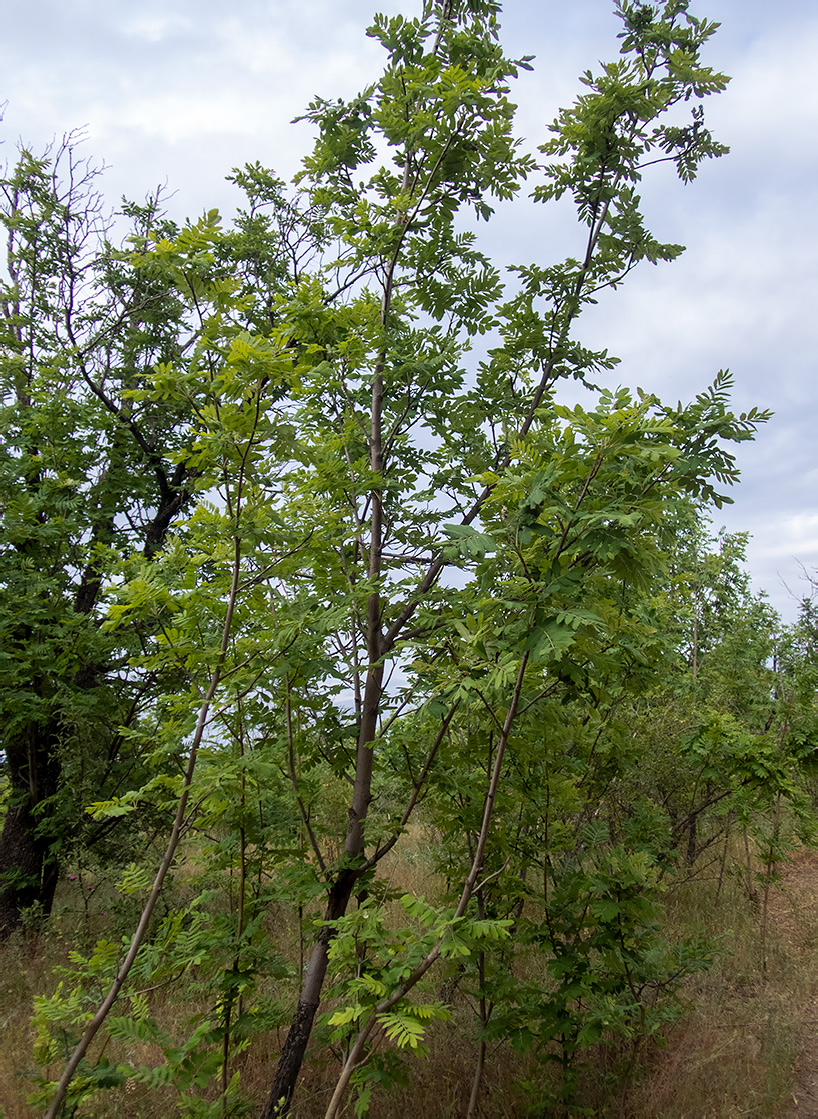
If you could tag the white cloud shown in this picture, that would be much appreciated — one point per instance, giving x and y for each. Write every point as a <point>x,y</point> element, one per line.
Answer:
<point>772,104</point>
<point>156,26</point>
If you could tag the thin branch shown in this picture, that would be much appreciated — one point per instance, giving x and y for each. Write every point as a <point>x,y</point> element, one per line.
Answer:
<point>413,799</point>
<point>357,1051</point>
<point>294,780</point>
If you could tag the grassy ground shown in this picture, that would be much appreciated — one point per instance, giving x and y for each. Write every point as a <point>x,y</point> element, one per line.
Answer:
<point>744,1047</point>
<point>747,1044</point>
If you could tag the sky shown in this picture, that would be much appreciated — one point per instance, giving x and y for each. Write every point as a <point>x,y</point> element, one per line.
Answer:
<point>178,92</point>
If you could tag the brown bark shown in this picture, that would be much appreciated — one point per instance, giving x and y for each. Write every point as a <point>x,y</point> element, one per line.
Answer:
<point>295,1047</point>
<point>470,887</point>
<point>29,861</point>
<point>292,1054</point>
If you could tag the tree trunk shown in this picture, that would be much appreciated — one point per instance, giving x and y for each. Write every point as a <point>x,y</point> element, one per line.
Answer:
<point>692,840</point>
<point>29,858</point>
<point>292,1055</point>
<point>29,863</point>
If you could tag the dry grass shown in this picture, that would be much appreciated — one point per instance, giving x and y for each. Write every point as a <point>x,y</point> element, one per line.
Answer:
<point>739,1048</point>
<point>26,969</point>
<point>746,1046</point>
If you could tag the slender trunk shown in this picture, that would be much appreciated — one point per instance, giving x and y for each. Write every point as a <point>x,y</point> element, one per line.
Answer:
<point>476,1081</point>
<point>723,857</point>
<point>292,1054</point>
<point>752,893</point>
<point>91,1030</point>
<point>768,877</point>
<point>228,1013</point>
<point>692,840</point>
<point>695,635</point>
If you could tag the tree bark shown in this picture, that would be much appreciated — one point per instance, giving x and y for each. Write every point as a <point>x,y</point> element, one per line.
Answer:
<point>295,1047</point>
<point>292,1055</point>
<point>29,860</point>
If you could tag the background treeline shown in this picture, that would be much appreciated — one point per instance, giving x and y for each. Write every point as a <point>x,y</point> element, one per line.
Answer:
<point>355,692</point>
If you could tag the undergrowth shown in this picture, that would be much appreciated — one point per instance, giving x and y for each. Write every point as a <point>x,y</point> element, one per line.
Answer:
<point>732,1052</point>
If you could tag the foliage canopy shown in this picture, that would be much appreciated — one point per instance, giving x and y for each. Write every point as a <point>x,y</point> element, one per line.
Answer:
<point>300,520</point>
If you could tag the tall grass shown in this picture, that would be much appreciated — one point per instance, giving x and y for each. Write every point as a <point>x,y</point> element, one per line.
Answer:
<point>737,1050</point>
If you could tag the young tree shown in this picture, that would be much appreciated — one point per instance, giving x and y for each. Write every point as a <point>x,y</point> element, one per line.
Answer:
<point>407,472</point>
<point>404,442</point>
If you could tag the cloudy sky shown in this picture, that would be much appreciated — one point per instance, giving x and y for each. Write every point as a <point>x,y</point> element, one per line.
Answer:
<point>178,92</point>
